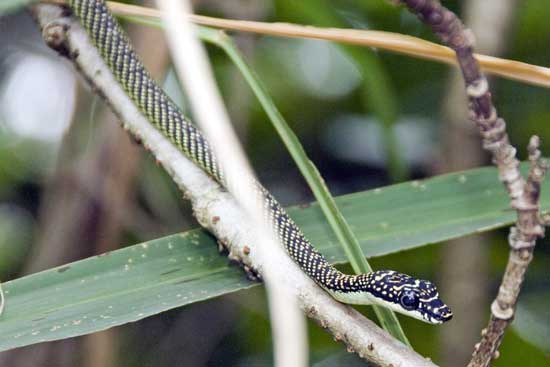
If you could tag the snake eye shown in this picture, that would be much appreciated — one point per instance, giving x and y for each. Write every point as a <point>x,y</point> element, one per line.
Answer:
<point>409,300</point>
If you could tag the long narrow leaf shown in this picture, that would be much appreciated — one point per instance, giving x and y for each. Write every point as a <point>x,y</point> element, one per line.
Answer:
<point>143,280</point>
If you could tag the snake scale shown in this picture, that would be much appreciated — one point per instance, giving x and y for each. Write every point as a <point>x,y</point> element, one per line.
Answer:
<point>399,292</point>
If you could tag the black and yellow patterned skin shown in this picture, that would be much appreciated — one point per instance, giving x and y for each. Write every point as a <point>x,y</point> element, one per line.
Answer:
<point>386,288</point>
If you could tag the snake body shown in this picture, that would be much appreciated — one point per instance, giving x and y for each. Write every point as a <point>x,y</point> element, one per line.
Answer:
<point>397,291</point>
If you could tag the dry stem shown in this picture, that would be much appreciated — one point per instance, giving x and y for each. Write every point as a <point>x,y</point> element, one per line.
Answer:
<point>516,70</point>
<point>524,194</point>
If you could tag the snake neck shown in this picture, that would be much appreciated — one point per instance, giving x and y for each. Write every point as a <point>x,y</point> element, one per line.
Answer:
<point>345,283</point>
<point>352,289</point>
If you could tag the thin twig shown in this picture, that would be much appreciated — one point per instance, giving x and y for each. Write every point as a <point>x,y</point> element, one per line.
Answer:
<point>511,69</point>
<point>492,21</point>
<point>524,193</point>
<point>216,209</point>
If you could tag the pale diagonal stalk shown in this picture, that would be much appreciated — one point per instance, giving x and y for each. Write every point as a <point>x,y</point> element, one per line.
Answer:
<point>338,223</point>
<point>288,327</point>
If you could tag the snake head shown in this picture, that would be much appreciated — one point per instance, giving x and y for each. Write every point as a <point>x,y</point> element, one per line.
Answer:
<point>407,295</point>
<point>400,292</point>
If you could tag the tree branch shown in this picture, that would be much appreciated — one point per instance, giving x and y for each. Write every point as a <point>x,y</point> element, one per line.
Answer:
<point>524,193</point>
<point>216,209</point>
<point>492,21</point>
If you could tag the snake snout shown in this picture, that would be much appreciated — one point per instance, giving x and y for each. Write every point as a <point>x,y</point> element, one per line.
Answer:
<point>442,314</point>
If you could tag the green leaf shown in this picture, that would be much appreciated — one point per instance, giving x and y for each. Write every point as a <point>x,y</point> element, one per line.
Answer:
<point>143,280</point>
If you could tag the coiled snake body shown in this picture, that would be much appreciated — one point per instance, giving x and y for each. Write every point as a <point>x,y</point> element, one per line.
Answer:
<point>400,292</point>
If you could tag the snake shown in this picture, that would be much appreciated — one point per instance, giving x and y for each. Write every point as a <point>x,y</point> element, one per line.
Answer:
<point>402,293</point>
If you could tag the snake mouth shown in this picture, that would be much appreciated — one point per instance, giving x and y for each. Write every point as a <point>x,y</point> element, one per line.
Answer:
<point>439,316</point>
<point>447,317</point>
